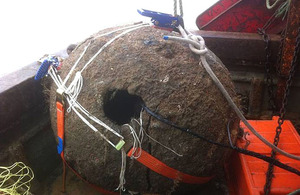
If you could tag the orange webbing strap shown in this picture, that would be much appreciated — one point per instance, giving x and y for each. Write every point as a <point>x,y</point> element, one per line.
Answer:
<point>60,122</point>
<point>159,167</point>
<point>60,113</point>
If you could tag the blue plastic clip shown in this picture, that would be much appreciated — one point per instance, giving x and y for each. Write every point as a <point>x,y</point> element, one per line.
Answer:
<point>162,20</point>
<point>43,70</point>
<point>60,145</point>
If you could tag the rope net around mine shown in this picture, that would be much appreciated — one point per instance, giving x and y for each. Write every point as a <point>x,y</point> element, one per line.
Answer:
<point>15,179</point>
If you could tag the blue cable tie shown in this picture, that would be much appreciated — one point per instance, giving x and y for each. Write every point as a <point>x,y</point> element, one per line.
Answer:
<point>60,145</point>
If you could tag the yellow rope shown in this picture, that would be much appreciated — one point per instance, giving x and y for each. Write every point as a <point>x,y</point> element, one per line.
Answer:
<point>15,179</point>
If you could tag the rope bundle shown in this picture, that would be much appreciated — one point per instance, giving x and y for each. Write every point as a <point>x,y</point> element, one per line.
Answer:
<point>72,91</point>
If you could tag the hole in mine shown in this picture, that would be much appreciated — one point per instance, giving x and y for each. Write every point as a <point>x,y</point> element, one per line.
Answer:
<point>120,106</point>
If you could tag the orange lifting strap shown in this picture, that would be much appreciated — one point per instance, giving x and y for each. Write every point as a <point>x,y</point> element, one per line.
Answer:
<point>146,159</point>
<point>60,113</point>
<point>159,167</point>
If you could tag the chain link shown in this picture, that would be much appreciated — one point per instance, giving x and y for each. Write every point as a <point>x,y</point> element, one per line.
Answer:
<point>280,51</point>
<point>283,112</point>
<point>269,78</point>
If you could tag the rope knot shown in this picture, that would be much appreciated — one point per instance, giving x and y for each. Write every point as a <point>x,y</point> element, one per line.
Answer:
<point>198,48</point>
<point>74,89</point>
<point>196,43</point>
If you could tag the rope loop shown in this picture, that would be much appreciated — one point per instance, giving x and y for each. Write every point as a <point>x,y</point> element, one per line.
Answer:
<point>197,46</point>
<point>269,6</point>
<point>200,49</point>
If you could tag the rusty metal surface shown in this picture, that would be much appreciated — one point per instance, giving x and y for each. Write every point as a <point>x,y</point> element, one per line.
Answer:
<point>293,23</point>
<point>240,51</point>
<point>243,54</point>
<point>256,97</point>
<point>239,16</point>
<point>215,11</point>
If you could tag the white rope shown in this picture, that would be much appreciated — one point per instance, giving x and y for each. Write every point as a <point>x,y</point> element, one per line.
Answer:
<point>175,8</point>
<point>109,42</point>
<point>96,120</point>
<point>283,9</point>
<point>142,132</point>
<point>75,104</point>
<point>181,8</point>
<point>91,126</point>
<point>200,45</point>
<point>136,149</point>
<point>140,123</point>
<point>269,6</point>
<point>136,146</point>
<point>137,143</point>
<point>138,139</point>
<point>72,92</point>
<point>76,63</point>
<point>166,147</point>
<point>53,74</point>
<point>122,172</point>
<point>120,29</point>
<point>76,85</point>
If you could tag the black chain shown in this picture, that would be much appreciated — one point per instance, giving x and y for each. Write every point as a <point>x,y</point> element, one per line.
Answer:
<point>279,56</point>
<point>231,146</point>
<point>269,78</point>
<point>282,112</point>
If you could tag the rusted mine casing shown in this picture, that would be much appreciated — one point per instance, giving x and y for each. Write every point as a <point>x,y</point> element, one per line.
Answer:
<point>167,77</point>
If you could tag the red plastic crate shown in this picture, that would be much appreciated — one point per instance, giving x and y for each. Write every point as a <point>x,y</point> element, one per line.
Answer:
<point>247,175</point>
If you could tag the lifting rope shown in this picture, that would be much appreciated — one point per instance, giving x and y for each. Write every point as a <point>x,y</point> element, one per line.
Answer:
<point>70,93</point>
<point>180,8</point>
<point>282,9</point>
<point>269,6</point>
<point>231,146</point>
<point>197,45</point>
